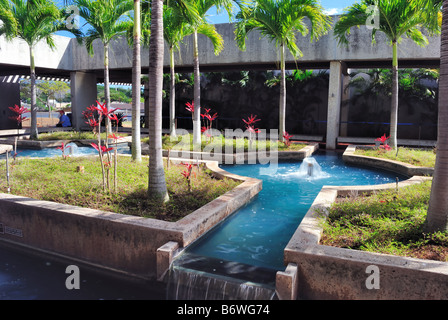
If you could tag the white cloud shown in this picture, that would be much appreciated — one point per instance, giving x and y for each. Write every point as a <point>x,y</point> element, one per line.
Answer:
<point>333,11</point>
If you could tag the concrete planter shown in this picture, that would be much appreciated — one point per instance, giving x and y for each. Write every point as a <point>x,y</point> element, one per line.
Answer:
<point>111,241</point>
<point>323,272</point>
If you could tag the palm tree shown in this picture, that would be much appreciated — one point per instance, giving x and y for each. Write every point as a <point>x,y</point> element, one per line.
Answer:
<point>156,185</point>
<point>280,21</point>
<point>107,21</point>
<point>31,21</point>
<point>136,148</point>
<point>397,19</point>
<point>437,216</point>
<point>201,26</point>
<point>174,30</point>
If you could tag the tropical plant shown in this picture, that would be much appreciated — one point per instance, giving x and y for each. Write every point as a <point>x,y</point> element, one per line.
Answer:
<point>31,21</point>
<point>107,21</point>
<point>279,21</point>
<point>200,25</point>
<point>136,148</point>
<point>396,19</point>
<point>18,118</point>
<point>174,30</point>
<point>157,189</point>
<point>437,216</point>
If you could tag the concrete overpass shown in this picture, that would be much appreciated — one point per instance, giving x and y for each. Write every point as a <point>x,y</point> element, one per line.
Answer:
<point>70,61</point>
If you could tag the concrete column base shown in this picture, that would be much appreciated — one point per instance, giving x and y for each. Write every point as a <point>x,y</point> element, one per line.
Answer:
<point>286,283</point>
<point>165,256</point>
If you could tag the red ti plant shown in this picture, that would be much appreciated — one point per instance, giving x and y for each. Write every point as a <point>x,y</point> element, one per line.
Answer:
<point>187,174</point>
<point>250,126</point>
<point>209,121</point>
<point>102,111</point>
<point>64,147</point>
<point>19,118</point>
<point>287,138</point>
<point>383,141</point>
<point>190,107</point>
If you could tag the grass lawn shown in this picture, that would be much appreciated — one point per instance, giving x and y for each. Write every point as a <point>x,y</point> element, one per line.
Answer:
<point>416,157</point>
<point>386,222</point>
<point>221,144</point>
<point>57,180</point>
<point>72,135</point>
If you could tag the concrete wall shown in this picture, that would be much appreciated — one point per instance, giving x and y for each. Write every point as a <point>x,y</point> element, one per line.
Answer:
<point>10,96</point>
<point>324,272</point>
<point>71,56</point>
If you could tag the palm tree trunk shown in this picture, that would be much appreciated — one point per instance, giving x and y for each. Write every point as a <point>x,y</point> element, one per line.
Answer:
<point>394,102</point>
<point>136,147</point>
<point>437,217</point>
<point>107,87</point>
<point>282,105</point>
<point>172,96</point>
<point>197,96</point>
<point>156,184</point>
<point>34,133</point>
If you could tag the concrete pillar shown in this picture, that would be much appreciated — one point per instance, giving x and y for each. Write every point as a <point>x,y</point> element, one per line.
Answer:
<point>286,283</point>
<point>10,96</point>
<point>334,103</point>
<point>345,106</point>
<point>84,94</point>
<point>165,255</point>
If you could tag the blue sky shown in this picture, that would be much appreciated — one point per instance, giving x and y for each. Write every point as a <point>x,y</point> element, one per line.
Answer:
<point>331,7</point>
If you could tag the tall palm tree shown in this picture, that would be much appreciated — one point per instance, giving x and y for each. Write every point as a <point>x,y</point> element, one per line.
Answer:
<point>174,30</point>
<point>280,21</point>
<point>136,148</point>
<point>437,216</point>
<point>397,19</point>
<point>31,21</point>
<point>107,20</point>
<point>201,26</point>
<point>156,185</point>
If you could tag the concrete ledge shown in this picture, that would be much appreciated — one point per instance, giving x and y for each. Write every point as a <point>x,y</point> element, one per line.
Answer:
<point>39,145</point>
<point>409,170</point>
<point>326,272</point>
<point>125,244</point>
<point>242,157</point>
<point>400,142</point>
<point>5,148</point>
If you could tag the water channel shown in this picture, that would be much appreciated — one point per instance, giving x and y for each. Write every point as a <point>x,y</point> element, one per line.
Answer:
<point>247,246</point>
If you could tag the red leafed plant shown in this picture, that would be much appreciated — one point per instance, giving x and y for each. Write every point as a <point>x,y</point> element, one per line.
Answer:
<point>187,174</point>
<point>190,106</point>
<point>103,150</point>
<point>250,126</point>
<point>19,118</point>
<point>208,118</point>
<point>383,145</point>
<point>287,138</point>
<point>63,148</point>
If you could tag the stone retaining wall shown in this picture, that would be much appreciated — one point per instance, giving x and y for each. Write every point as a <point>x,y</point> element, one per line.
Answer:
<point>324,272</point>
<point>126,244</point>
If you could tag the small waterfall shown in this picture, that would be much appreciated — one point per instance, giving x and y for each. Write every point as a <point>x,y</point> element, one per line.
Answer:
<point>200,278</point>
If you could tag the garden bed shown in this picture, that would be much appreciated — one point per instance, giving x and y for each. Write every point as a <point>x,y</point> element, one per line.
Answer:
<point>322,271</point>
<point>390,222</point>
<point>60,180</point>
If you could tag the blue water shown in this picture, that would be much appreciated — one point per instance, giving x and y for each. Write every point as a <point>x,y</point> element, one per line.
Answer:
<point>55,152</point>
<point>258,233</point>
